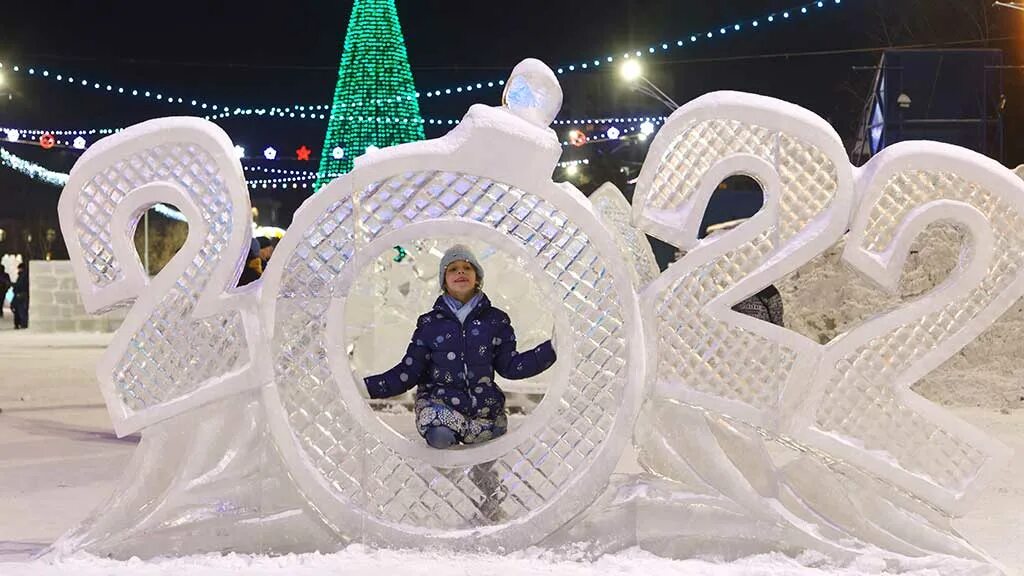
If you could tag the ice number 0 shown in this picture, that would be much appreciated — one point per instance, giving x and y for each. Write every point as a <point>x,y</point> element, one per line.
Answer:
<point>367,479</point>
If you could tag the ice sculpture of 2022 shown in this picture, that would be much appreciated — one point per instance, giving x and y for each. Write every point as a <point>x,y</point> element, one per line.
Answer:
<point>256,437</point>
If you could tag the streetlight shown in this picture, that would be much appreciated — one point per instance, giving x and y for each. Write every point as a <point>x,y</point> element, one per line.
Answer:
<point>633,73</point>
<point>4,90</point>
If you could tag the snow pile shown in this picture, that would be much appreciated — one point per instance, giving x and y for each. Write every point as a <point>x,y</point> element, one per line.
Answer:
<point>357,560</point>
<point>825,298</point>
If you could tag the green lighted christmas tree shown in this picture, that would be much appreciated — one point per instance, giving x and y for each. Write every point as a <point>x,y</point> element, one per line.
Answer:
<point>375,100</point>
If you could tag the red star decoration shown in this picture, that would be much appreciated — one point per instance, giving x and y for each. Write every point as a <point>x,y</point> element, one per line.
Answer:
<point>303,153</point>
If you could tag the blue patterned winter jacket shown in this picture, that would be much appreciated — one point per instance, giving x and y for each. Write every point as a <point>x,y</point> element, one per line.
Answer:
<point>454,363</point>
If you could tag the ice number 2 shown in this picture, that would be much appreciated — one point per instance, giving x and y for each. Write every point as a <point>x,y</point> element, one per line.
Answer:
<point>707,354</point>
<point>851,397</point>
<point>188,336</point>
<point>862,408</point>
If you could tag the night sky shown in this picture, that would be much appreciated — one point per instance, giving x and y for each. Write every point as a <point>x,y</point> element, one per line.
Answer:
<point>259,53</point>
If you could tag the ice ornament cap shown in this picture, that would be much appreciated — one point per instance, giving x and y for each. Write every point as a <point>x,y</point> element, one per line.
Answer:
<point>533,93</point>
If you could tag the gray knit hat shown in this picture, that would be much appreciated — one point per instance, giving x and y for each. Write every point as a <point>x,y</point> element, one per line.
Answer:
<point>454,254</point>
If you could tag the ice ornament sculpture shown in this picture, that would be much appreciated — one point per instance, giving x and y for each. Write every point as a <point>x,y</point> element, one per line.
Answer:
<point>255,436</point>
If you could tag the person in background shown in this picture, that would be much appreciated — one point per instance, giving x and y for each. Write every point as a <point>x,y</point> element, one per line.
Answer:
<point>253,269</point>
<point>5,285</point>
<point>19,305</point>
<point>266,249</point>
<point>766,305</point>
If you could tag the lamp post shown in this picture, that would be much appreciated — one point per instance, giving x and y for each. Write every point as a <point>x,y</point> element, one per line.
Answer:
<point>633,73</point>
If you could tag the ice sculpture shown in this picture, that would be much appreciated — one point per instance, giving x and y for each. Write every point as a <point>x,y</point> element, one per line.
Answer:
<point>752,437</point>
<point>357,470</point>
<point>188,339</point>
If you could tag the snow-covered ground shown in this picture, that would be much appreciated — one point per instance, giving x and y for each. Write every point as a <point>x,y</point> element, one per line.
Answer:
<point>59,459</point>
<point>357,560</point>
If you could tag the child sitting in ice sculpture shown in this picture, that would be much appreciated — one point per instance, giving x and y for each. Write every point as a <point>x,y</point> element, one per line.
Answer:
<point>454,352</point>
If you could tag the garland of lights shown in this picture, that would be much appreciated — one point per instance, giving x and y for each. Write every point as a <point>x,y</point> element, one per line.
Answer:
<point>15,134</point>
<point>266,170</point>
<point>47,176</point>
<point>574,137</point>
<point>31,169</point>
<point>752,23</point>
<point>298,110</point>
<point>298,179</point>
<point>159,96</point>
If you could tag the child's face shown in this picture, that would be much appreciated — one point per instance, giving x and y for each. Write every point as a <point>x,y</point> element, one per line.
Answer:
<point>460,279</point>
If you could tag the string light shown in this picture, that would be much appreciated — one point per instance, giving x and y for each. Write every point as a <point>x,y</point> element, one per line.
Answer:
<point>370,120</point>
<point>291,113</point>
<point>284,180</point>
<point>590,64</point>
<point>294,110</point>
<point>84,132</point>
<point>568,163</point>
<point>622,132</point>
<point>409,94</point>
<point>15,135</point>
<point>31,169</point>
<point>42,174</point>
<point>37,172</point>
<point>610,120</point>
<point>266,170</point>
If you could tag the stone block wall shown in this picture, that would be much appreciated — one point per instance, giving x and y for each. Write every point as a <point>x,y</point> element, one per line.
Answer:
<point>55,304</point>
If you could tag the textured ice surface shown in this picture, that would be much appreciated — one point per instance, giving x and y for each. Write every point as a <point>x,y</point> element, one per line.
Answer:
<point>755,438</point>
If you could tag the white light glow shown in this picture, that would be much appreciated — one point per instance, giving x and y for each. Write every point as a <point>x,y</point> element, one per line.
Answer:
<point>631,70</point>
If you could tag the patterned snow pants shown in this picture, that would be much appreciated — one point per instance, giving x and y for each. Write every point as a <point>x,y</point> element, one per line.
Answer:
<point>430,414</point>
<point>485,477</point>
